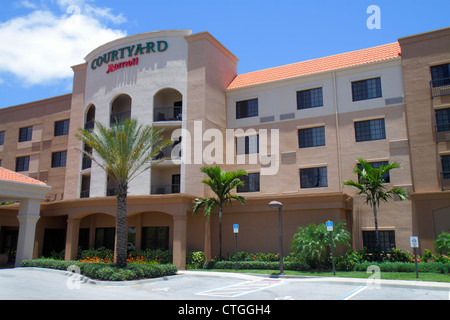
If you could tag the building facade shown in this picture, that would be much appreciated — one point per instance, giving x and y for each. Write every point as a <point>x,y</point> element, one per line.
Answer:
<point>297,130</point>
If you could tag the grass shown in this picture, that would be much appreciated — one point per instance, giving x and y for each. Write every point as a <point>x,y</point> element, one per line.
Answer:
<point>423,276</point>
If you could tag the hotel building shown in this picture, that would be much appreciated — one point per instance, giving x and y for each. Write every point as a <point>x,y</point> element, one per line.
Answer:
<point>297,129</point>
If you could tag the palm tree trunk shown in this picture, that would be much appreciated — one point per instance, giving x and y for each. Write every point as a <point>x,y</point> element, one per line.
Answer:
<point>377,238</point>
<point>220,233</point>
<point>121,230</point>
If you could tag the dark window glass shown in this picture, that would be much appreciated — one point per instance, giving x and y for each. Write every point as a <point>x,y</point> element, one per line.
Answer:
<point>440,75</point>
<point>155,238</point>
<point>309,98</point>
<point>311,137</point>
<point>313,177</point>
<point>251,183</point>
<point>247,144</point>
<point>59,159</point>
<point>2,138</point>
<point>387,240</point>
<point>247,108</point>
<point>370,130</point>
<point>25,134</point>
<point>61,128</point>
<point>443,120</point>
<point>445,160</point>
<point>22,164</point>
<point>104,238</point>
<point>366,89</point>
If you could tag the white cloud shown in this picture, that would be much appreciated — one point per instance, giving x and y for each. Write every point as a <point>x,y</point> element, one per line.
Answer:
<point>41,47</point>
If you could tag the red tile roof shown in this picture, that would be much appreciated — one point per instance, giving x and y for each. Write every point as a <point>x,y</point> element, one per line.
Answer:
<point>9,175</point>
<point>335,62</point>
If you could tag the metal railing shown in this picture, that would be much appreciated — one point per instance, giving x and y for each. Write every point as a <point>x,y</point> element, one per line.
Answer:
<point>442,132</point>
<point>165,188</point>
<point>89,125</point>
<point>445,180</point>
<point>116,117</point>
<point>440,87</point>
<point>167,152</point>
<point>86,163</point>
<point>167,114</point>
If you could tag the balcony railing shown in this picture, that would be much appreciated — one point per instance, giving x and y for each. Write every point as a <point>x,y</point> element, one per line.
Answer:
<point>161,114</point>
<point>442,132</point>
<point>118,116</point>
<point>169,152</point>
<point>165,188</point>
<point>84,194</point>
<point>440,87</point>
<point>86,162</point>
<point>445,180</point>
<point>89,125</point>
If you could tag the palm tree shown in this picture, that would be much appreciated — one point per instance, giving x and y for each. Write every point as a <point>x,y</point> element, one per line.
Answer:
<point>312,243</point>
<point>221,183</point>
<point>372,185</point>
<point>124,151</point>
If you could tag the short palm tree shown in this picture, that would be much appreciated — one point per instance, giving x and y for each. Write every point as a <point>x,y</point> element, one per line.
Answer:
<point>124,151</point>
<point>312,243</point>
<point>221,183</point>
<point>372,186</point>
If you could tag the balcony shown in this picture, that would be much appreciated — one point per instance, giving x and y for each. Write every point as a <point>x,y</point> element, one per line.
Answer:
<point>164,114</point>
<point>445,180</point>
<point>84,194</point>
<point>165,188</point>
<point>116,117</point>
<point>440,87</point>
<point>86,163</point>
<point>169,153</point>
<point>442,132</point>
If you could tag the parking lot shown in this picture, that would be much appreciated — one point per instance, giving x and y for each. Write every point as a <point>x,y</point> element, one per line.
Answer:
<point>44,284</point>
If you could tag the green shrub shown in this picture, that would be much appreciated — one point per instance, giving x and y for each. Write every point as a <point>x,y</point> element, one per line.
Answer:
<point>257,265</point>
<point>195,259</point>
<point>105,271</point>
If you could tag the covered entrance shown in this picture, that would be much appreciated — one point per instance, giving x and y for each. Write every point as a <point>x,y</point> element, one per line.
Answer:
<point>17,231</point>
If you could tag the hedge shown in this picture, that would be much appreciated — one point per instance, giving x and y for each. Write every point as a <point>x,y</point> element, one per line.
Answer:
<point>252,265</point>
<point>109,272</point>
<point>436,267</point>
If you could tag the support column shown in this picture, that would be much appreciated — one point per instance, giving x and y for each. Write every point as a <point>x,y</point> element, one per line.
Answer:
<point>73,232</point>
<point>179,242</point>
<point>29,213</point>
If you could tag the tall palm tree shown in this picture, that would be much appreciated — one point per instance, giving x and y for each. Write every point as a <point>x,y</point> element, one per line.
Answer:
<point>124,150</point>
<point>221,183</point>
<point>372,185</point>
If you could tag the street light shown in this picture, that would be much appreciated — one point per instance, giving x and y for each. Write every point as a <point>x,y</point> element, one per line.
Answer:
<point>279,205</point>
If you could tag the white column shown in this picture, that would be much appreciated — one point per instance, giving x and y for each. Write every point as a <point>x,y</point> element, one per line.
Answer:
<point>29,211</point>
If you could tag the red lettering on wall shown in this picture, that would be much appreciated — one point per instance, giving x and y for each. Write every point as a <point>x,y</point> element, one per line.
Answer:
<point>116,66</point>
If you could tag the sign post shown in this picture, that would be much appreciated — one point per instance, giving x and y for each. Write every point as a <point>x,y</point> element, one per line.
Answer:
<point>330,230</point>
<point>414,240</point>
<point>236,231</point>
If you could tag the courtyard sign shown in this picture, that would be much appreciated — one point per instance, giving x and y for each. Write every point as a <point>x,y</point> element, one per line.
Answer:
<point>127,52</point>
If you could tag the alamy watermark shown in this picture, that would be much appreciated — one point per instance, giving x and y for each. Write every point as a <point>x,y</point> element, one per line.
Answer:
<point>374,20</point>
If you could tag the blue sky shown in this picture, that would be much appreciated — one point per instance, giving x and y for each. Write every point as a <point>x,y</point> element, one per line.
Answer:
<point>41,39</point>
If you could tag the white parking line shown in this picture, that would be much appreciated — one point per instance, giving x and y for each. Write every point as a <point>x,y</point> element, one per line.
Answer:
<point>241,289</point>
<point>353,293</point>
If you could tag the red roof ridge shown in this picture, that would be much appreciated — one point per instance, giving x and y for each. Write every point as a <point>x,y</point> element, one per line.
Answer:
<point>317,65</point>
<point>9,175</point>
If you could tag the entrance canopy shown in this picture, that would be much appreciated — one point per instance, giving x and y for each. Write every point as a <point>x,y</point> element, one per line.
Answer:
<point>29,192</point>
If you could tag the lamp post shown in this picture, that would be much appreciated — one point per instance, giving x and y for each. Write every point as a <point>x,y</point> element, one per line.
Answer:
<point>279,205</point>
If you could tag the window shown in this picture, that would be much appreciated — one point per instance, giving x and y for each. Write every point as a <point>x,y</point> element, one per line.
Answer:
<point>251,183</point>
<point>104,238</point>
<point>440,75</point>
<point>370,130</point>
<point>443,120</point>
<point>366,89</point>
<point>311,137</point>
<point>61,128</point>
<point>445,160</point>
<point>313,178</point>
<point>22,164</point>
<point>247,108</point>
<point>2,138</point>
<point>59,159</point>
<point>25,134</point>
<point>155,238</point>
<point>387,240</point>
<point>377,165</point>
<point>247,145</point>
<point>309,98</point>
